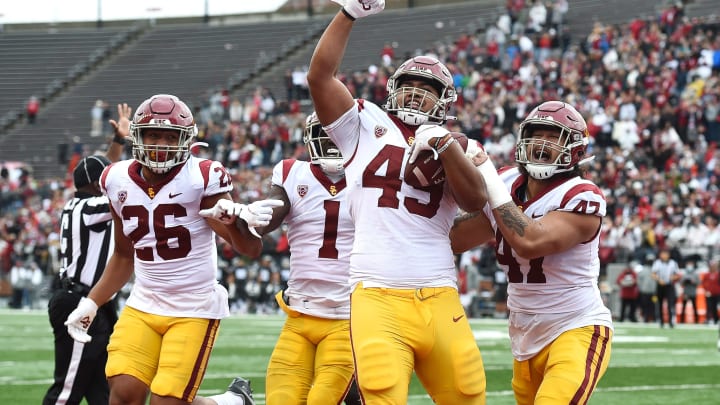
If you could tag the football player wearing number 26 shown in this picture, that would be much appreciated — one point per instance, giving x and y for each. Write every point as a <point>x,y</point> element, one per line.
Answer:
<point>405,311</point>
<point>167,207</point>
<point>545,220</point>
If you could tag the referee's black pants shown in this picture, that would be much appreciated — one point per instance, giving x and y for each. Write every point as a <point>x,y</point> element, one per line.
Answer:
<point>666,293</point>
<point>79,367</point>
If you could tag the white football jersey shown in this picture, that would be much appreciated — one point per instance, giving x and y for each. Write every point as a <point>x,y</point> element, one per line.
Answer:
<point>320,234</point>
<point>401,233</point>
<point>175,251</point>
<point>551,294</point>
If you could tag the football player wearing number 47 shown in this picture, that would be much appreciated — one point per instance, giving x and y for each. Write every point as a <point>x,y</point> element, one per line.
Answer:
<point>167,207</point>
<point>545,220</point>
<point>405,312</point>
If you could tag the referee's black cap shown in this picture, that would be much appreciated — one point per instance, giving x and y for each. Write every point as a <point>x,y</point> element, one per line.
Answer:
<point>89,170</point>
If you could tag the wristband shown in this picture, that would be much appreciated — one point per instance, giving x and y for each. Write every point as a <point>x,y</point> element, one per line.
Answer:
<point>347,14</point>
<point>119,139</point>
<point>497,192</point>
<point>446,145</point>
<point>441,140</point>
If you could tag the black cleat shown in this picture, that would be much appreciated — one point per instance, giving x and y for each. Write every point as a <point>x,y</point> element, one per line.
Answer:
<point>241,387</point>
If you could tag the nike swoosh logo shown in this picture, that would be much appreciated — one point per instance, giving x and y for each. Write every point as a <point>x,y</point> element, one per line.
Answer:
<point>536,216</point>
<point>171,195</point>
<point>457,318</point>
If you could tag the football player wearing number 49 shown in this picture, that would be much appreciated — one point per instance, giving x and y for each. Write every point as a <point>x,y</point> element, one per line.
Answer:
<point>406,314</point>
<point>545,220</point>
<point>312,362</point>
<point>167,207</point>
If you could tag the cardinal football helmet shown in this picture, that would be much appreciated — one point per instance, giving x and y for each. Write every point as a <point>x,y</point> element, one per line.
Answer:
<point>321,148</point>
<point>162,111</point>
<point>570,148</point>
<point>406,102</point>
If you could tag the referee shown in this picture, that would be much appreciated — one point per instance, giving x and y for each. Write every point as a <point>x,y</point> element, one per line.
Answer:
<point>86,245</point>
<point>665,271</point>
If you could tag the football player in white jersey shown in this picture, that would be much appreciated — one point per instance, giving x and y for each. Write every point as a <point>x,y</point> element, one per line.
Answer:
<point>405,313</point>
<point>160,201</point>
<point>312,361</point>
<point>545,220</point>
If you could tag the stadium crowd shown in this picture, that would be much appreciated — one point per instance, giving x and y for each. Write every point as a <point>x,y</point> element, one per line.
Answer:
<point>649,90</point>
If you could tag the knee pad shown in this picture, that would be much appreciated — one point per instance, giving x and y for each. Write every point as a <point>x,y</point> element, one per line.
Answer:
<point>468,367</point>
<point>376,365</point>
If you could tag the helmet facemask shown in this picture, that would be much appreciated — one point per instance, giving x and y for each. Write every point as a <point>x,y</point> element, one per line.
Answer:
<point>322,149</point>
<point>161,158</point>
<point>162,112</point>
<point>536,154</point>
<point>543,157</point>
<point>407,102</point>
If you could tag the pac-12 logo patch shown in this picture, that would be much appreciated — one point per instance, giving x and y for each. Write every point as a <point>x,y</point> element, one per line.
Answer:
<point>122,196</point>
<point>302,190</point>
<point>380,131</point>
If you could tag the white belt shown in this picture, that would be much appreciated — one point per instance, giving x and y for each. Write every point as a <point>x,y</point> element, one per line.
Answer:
<point>298,303</point>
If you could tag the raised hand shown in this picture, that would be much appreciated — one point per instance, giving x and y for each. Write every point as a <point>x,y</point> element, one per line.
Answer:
<point>361,8</point>
<point>122,125</point>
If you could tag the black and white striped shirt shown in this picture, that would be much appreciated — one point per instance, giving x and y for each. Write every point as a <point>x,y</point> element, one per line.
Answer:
<point>86,237</point>
<point>665,270</point>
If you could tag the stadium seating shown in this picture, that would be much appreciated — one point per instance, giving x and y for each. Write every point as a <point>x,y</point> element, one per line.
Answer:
<point>40,63</point>
<point>411,29</point>
<point>70,68</point>
<point>187,60</point>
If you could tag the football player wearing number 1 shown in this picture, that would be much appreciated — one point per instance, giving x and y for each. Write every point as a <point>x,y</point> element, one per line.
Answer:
<point>405,313</point>
<point>167,207</point>
<point>312,361</point>
<point>545,220</point>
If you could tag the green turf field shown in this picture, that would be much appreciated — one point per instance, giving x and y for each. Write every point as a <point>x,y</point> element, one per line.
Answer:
<point>649,365</point>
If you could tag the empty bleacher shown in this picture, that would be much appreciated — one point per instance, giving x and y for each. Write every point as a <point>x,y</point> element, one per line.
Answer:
<point>410,29</point>
<point>41,62</point>
<point>187,60</point>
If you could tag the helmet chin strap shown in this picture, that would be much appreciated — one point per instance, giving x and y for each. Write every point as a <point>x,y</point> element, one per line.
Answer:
<point>412,118</point>
<point>540,172</point>
<point>332,167</point>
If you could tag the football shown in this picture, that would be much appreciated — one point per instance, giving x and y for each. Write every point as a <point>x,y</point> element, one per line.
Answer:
<point>426,171</point>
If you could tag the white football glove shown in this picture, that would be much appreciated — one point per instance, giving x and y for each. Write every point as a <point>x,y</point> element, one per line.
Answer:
<point>474,147</point>
<point>259,213</point>
<point>361,8</point>
<point>423,136</point>
<point>224,211</point>
<point>80,320</point>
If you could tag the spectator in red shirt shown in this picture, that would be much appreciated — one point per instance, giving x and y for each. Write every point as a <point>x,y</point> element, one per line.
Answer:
<point>629,293</point>
<point>711,285</point>
<point>32,108</point>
